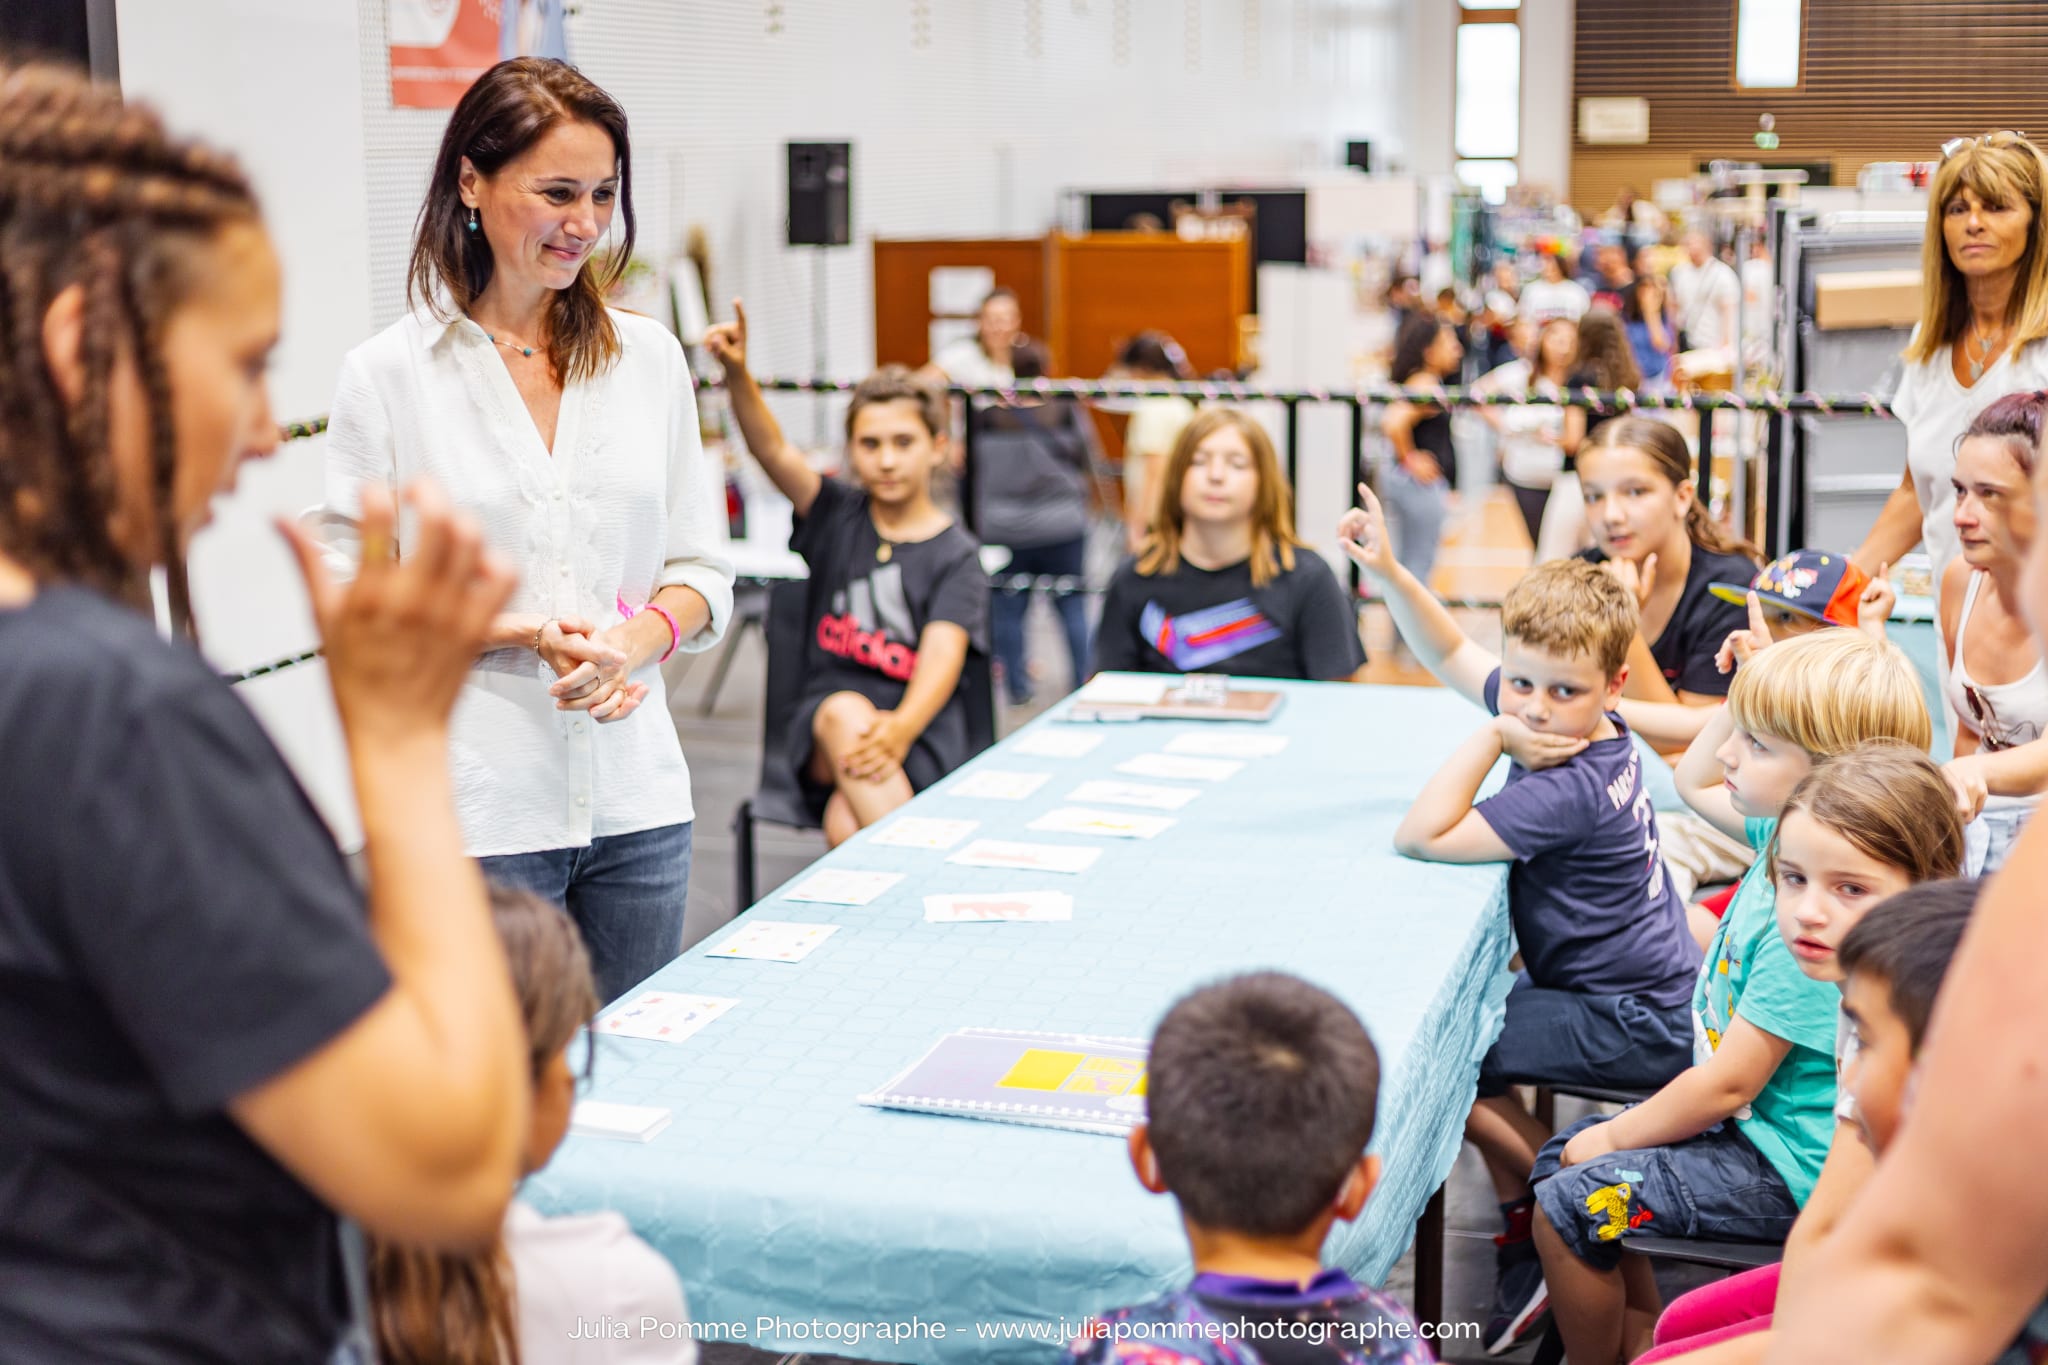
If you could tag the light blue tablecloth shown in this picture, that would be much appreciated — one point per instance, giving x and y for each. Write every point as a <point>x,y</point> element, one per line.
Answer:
<point>776,1194</point>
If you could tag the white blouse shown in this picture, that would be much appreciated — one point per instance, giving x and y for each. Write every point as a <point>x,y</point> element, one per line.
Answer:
<point>625,505</point>
<point>592,1293</point>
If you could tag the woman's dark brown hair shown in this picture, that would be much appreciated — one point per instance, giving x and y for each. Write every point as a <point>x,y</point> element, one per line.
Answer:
<point>511,107</point>
<point>94,193</point>
<point>1666,451</point>
<point>1604,352</point>
<point>444,1308</point>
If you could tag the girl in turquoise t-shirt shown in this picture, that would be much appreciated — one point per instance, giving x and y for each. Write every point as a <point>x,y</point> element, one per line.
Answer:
<point>1730,1149</point>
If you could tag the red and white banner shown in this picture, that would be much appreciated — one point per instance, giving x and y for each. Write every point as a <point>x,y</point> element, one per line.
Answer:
<point>439,48</point>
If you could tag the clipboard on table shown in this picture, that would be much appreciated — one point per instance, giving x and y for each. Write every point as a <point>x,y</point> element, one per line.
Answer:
<point>1152,696</point>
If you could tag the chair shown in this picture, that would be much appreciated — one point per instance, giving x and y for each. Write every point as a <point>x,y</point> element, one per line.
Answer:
<point>779,798</point>
<point>1545,1106</point>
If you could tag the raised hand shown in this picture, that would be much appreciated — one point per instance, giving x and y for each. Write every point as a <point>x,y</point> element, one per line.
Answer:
<point>727,341</point>
<point>1743,645</point>
<point>1362,532</point>
<point>1874,606</point>
<point>402,635</point>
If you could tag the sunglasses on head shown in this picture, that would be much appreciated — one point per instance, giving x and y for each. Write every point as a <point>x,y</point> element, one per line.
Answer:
<point>1981,712</point>
<point>1957,144</point>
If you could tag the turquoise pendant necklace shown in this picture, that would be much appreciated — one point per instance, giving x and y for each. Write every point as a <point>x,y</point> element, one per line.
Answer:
<point>510,346</point>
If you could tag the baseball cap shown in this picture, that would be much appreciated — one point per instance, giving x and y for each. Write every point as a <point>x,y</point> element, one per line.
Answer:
<point>1817,584</point>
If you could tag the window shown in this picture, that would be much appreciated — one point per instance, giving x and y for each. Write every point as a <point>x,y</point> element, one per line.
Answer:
<point>1767,44</point>
<point>1487,120</point>
<point>1490,178</point>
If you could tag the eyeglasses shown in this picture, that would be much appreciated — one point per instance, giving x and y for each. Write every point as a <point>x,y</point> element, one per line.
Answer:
<point>1957,144</point>
<point>1981,712</point>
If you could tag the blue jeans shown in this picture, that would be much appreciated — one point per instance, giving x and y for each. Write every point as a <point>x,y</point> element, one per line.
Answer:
<point>1418,512</point>
<point>626,893</point>
<point>1007,609</point>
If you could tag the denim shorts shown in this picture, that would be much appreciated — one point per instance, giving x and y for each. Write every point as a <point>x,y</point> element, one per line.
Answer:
<point>1615,1042</point>
<point>1713,1187</point>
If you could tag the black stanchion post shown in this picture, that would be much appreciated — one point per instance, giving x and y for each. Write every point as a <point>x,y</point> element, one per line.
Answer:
<point>1355,420</point>
<point>968,515</point>
<point>1704,480</point>
<point>1293,405</point>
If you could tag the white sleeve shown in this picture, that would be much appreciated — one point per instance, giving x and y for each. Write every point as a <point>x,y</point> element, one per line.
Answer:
<point>359,450</point>
<point>696,554</point>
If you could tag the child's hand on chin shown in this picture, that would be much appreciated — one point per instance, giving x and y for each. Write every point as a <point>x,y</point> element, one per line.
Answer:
<point>1533,749</point>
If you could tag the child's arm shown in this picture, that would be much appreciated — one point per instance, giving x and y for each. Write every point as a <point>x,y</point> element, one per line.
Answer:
<point>1442,826</point>
<point>784,464</point>
<point>941,654</point>
<point>1422,620</point>
<point>1848,1166</point>
<point>1667,726</point>
<point>1697,1099</point>
<point>1702,782</point>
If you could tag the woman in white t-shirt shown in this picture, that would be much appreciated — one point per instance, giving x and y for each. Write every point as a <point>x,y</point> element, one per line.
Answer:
<point>983,359</point>
<point>1553,294</point>
<point>569,430</point>
<point>1983,317</point>
<point>1532,438</point>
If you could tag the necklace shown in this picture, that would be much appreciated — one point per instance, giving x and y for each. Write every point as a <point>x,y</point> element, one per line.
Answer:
<point>885,551</point>
<point>510,345</point>
<point>1979,359</point>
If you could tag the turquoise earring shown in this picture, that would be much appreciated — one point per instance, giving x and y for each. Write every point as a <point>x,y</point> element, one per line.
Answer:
<point>472,220</point>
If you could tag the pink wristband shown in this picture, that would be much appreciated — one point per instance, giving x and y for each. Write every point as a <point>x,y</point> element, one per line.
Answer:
<point>675,633</point>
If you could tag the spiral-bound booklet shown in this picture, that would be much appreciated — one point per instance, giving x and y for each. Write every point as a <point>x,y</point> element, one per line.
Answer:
<point>1078,1081</point>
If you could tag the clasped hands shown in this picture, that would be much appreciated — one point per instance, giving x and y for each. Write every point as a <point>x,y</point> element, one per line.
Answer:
<point>593,668</point>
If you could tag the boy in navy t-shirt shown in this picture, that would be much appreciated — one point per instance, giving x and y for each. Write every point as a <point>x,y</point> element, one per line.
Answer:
<point>1261,1093</point>
<point>1608,965</point>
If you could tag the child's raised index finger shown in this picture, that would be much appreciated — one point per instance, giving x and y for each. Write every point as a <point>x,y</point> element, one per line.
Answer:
<point>1757,622</point>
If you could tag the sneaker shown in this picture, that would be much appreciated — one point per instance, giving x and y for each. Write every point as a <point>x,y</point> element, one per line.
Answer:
<point>1520,1300</point>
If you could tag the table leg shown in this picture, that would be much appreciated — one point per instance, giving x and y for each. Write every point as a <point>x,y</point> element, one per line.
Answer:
<point>1429,1260</point>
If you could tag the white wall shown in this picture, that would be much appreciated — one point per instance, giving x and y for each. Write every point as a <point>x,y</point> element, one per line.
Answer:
<point>1429,78</point>
<point>280,86</point>
<point>973,133</point>
<point>1547,105</point>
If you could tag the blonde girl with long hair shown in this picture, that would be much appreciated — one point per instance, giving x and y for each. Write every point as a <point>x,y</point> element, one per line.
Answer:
<point>1221,583</point>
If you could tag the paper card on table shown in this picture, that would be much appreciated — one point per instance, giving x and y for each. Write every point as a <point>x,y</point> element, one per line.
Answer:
<point>1026,857</point>
<point>1134,794</point>
<point>978,907</point>
<point>1144,689</point>
<point>1057,744</point>
<point>842,886</point>
<point>775,940</point>
<point>1111,823</point>
<point>623,1122</point>
<point>665,1016</point>
<point>1180,766</point>
<point>991,784</point>
<point>1227,744</point>
<point>915,831</point>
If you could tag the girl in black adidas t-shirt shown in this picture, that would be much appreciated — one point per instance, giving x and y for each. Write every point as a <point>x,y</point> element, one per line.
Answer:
<point>1222,584</point>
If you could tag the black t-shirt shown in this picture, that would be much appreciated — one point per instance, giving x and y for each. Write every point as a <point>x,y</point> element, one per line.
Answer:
<point>1214,621</point>
<point>865,615</point>
<point>1699,623</point>
<point>176,928</point>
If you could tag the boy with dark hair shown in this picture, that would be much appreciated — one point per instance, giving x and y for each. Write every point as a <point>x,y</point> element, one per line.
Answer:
<point>897,594</point>
<point>1261,1092</point>
<point>1608,961</point>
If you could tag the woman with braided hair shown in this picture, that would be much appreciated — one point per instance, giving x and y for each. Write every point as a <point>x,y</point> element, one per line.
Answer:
<point>208,1048</point>
<point>569,429</point>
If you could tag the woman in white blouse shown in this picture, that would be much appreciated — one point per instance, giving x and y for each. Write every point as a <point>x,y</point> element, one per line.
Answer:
<point>570,430</point>
<point>1983,320</point>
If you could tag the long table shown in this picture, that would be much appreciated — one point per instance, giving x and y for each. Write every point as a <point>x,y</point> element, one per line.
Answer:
<point>777,1196</point>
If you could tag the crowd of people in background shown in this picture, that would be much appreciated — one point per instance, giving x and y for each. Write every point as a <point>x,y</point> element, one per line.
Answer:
<point>229,1064</point>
